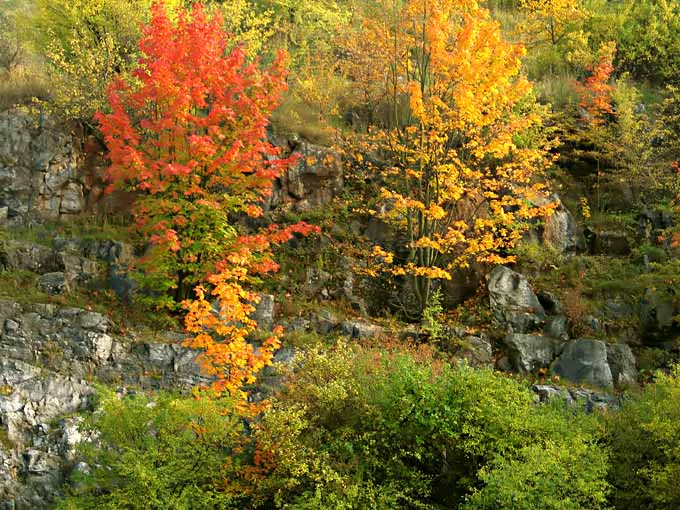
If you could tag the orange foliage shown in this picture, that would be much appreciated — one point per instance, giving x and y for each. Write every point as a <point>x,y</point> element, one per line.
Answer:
<point>221,330</point>
<point>447,137</point>
<point>596,91</point>
<point>189,135</point>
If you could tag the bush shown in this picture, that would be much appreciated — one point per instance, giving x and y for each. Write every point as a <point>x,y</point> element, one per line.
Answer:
<point>86,43</point>
<point>645,32</point>
<point>395,428</point>
<point>645,444</point>
<point>165,453</point>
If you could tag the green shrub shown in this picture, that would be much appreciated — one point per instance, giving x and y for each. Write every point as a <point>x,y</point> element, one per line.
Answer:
<point>165,453</point>
<point>645,32</point>
<point>645,445</point>
<point>398,429</point>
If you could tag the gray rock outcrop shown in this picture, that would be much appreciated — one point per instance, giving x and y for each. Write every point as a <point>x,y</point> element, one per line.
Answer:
<point>529,353</point>
<point>512,300</point>
<point>41,174</point>
<point>312,181</point>
<point>559,230</point>
<point>585,361</point>
<point>622,364</point>
<point>49,357</point>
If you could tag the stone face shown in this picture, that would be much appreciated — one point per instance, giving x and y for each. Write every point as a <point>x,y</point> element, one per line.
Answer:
<point>585,361</point>
<point>21,255</point>
<point>622,364</point>
<point>41,169</point>
<point>72,198</point>
<point>528,353</point>
<point>54,284</point>
<point>264,313</point>
<point>560,230</point>
<point>46,354</point>
<point>512,300</point>
<point>313,181</point>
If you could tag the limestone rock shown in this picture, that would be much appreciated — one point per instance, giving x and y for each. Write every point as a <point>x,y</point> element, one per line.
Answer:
<point>657,313</point>
<point>592,400</point>
<point>264,313</point>
<point>46,354</point>
<point>313,181</point>
<point>557,326</point>
<point>528,353</point>
<point>360,329</point>
<point>512,300</point>
<point>26,256</point>
<point>476,350</point>
<point>585,361</point>
<point>560,230</point>
<point>54,284</point>
<point>622,364</point>
<point>41,169</point>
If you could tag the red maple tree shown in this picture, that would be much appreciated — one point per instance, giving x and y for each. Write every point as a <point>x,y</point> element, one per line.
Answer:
<point>187,132</point>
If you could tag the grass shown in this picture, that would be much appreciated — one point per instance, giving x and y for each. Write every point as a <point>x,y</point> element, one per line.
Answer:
<point>556,89</point>
<point>607,221</point>
<point>84,227</point>
<point>295,118</point>
<point>21,287</point>
<point>21,86</point>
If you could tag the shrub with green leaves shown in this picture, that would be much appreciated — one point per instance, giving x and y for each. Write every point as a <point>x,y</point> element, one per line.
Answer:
<point>165,453</point>
<point>645,447</point>
<point>397,429</point>
<point>646,35</point>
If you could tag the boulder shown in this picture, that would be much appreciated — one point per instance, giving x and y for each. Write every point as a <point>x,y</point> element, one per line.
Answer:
<point>657,313</point>
<point>622,364</point>
<point>54,284</point>
<point>557,326</point>
<point>560,230</point>
<point>476,350</point>
<point>264,313</point>
<point>528,353</point>
<point>512,300</point>
<point>550,302</point>
<point>585,361</point>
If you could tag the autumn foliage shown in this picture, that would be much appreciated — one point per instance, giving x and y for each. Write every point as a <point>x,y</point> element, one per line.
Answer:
<point>221,330</point>
<point>596,92</point>
<point>188,135</point>
<point>452,145</point>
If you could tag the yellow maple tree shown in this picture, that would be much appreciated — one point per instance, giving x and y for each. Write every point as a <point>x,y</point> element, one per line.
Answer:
<point>550,21</point>
<point>453,136</point>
